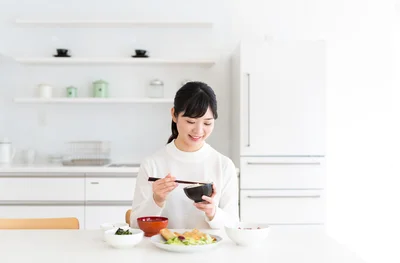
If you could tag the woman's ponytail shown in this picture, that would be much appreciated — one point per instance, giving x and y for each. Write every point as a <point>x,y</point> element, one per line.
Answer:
<point>174,131</point>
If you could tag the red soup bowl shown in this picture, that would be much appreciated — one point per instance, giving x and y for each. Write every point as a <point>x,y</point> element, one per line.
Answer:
<point>151,225</point>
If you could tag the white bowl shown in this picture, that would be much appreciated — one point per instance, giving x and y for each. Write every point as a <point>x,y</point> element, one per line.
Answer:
<point>248,234</point>
<point>123,241</point>
<point>107,226</point>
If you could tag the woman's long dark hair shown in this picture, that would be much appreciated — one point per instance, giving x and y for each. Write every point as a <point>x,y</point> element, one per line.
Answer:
<point>193,99</point>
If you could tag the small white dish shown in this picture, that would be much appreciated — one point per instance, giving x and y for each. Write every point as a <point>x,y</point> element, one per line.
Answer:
<point>248,234</point>
<point>107,226</point>
<point>123,241</point>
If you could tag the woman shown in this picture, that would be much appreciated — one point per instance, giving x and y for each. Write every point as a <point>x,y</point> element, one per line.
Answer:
<point>188,157</point>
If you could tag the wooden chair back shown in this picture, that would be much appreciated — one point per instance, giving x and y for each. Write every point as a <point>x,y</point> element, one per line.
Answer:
<point>39,223</point>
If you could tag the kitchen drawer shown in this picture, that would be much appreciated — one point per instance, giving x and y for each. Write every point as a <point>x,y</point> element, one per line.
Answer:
<point>282,206</point>
<point>112,189</point>
<point>282,172</point>
<point>52,189</point>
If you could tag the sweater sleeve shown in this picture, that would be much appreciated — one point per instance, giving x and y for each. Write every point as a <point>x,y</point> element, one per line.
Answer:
<point>227,212</point>
<point>143,203</point>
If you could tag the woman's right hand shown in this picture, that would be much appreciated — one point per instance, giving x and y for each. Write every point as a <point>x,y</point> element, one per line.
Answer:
<point>162,187</point>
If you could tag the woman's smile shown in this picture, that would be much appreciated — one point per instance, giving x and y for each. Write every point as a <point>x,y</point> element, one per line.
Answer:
<point>195,138</point>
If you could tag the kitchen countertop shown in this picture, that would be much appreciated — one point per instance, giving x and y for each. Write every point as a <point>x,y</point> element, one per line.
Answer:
<point>283,245</point>
<point>57,169</point>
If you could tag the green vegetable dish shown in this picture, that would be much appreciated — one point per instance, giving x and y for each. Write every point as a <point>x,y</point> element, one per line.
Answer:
<point>121,232</point>
<point>182,241</point>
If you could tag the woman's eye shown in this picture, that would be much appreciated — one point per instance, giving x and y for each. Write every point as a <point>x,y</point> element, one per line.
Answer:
<point>208,124</point>
<point>191,122</point>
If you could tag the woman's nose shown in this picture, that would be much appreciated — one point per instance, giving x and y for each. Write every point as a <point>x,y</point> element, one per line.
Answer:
<point>197,128</point>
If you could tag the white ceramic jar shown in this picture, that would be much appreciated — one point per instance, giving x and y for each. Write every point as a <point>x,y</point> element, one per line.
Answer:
<point>45,91</point>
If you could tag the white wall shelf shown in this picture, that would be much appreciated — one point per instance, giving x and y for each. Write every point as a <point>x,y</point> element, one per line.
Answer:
<point>111,23</point>
<point>129,61</point>
<point>92,100</point>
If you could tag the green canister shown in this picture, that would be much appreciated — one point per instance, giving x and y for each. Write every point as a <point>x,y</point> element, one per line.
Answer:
<point>100,89</point>
<point>72,92</point>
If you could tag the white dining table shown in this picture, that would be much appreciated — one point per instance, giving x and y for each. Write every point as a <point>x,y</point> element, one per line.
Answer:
<point>283,245</point>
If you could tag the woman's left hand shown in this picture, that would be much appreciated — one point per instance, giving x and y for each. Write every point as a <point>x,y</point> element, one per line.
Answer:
<point>208,206</point>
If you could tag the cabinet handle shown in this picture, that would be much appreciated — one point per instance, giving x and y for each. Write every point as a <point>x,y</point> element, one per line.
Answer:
<point>282,196</point>
<point>94,182</point>
<point>248,110</point>
<point>283,163</point>
<point>108,203</point>
<point>296,224</point>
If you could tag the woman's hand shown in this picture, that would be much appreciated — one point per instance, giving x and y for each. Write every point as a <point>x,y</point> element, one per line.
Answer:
<point>162,187</point>
<point>208,206</point>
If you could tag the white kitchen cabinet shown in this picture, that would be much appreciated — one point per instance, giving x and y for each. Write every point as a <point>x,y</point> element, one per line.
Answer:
<point>109,189</point>
<point>283,207</point>
<point>93,200</point>
<point>41,197</point>
<point>42,189</point>
<point>279,97</point>
<point>282,172</point>
<point>44,210</point>
<point>107,200</point>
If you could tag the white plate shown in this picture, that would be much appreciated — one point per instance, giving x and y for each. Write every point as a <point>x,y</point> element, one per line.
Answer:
<point>158,241</point>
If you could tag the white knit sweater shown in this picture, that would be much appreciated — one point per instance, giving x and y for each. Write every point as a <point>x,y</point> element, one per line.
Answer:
<point>203,165</point>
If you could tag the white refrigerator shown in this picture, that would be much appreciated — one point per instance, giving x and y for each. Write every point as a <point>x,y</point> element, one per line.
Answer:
<point>278,131</point>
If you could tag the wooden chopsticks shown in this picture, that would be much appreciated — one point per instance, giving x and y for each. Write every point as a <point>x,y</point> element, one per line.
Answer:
<point>153,179</point>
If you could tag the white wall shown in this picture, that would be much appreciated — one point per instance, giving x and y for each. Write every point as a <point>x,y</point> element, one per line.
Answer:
<point>362,138</point>
<point>134,130</point>
<point>363,78</point>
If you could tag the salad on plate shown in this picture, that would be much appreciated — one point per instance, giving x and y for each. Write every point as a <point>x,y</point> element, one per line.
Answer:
<point>188,238</point>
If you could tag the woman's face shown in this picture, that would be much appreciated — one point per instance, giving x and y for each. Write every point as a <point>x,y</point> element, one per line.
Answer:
<point>193,131</point>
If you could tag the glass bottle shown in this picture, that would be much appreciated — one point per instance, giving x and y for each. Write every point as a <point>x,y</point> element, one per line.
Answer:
<point>155,89</point>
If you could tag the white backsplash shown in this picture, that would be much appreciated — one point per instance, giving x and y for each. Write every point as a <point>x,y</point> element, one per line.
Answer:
<point>135,130</point>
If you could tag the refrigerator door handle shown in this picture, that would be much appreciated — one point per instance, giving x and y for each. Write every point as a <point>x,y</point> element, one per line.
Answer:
<point>283,163</point>
<point>283,196</point>
<point>248,109</point>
